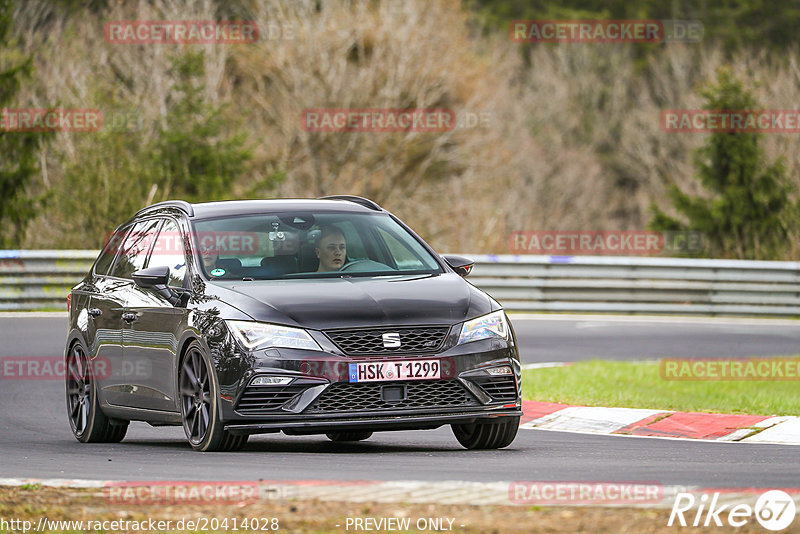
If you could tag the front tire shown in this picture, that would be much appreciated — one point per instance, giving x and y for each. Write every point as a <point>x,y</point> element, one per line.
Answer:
<point>352,435</point>
<point>487,435</point>
<point>86,419</point>
<point>199,397</point>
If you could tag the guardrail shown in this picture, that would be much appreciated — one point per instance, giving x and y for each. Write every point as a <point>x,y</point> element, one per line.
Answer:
<point>40,280</point>
<point>640,285</point>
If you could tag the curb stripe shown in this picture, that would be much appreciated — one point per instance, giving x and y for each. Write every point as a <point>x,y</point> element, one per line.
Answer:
<point>638,422</point>
<point>592,419</point>
<point>632,429</point>
<point>698,425</point>
<point>535,410</point>
<point>784,430</point>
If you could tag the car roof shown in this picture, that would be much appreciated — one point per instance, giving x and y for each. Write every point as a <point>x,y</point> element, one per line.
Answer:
<point>206,210</point>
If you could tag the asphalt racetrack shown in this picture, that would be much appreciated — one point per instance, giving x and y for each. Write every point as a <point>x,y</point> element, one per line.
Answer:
<point>35,440</point>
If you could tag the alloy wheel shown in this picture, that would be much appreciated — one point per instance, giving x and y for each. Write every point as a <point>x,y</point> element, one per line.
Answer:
<point>79,389</point>
<point>195,390</point>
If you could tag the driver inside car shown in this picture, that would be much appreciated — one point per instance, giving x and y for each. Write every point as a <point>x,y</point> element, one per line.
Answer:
<point>210,256</point>
<point>331,249</point>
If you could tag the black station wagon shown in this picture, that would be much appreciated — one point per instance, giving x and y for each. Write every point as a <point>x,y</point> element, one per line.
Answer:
<point>306,316</point>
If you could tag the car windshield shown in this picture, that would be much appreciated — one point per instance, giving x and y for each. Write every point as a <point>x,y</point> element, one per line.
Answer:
<point>308,245</point>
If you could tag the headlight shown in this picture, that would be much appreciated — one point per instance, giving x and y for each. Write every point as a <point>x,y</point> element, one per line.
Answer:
<point>264,336</point>
<point>485,327</point>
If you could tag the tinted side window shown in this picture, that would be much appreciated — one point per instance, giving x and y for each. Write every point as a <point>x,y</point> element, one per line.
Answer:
<point>133,252</point>
<point>168,251</point>
<point>110,248</point>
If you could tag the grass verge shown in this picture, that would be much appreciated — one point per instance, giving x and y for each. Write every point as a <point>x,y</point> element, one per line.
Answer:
<point>640,385</point>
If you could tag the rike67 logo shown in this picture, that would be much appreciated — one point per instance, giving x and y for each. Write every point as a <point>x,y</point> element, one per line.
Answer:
<point>774,510</point>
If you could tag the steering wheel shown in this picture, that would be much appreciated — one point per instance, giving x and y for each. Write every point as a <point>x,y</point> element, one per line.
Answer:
<point>346,266</point>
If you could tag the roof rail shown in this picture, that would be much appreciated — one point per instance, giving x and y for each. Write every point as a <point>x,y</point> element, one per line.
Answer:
<point>367,203</point>
<point>178,204</point>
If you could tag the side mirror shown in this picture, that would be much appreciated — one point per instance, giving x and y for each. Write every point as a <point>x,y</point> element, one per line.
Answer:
<point>461,265</point>
<point>157,279</point>
<point>152,277</point>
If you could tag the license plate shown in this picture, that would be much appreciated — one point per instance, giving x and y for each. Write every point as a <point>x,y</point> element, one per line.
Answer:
<point>383,371</point>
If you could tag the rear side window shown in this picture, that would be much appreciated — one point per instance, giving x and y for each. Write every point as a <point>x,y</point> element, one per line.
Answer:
<point>110,248</point>
<point>133,252</point>
<point>168,251</point>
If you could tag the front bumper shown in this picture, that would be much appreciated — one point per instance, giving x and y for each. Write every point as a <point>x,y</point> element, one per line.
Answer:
<point>321,398</point>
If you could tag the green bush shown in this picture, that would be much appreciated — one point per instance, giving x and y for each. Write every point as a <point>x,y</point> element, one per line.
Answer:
<point>748,212</point>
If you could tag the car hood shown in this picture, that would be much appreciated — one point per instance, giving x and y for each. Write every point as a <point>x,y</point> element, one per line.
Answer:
<point>327,303</point>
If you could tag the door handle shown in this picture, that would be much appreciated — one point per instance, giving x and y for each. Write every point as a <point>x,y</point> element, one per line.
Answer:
<point>129,317</point>
<point>95,312</point>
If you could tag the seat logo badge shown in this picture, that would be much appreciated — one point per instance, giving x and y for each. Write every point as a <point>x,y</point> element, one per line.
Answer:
<point>391,340</point>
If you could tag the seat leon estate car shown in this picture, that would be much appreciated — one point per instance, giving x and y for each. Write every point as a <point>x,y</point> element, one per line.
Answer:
<point>303,316</point>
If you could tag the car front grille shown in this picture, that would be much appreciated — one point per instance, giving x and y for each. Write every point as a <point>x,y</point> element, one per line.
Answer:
<point>259,399</point>
<point>499,388</point>
<point>412,340</point>
<point>346,397</point>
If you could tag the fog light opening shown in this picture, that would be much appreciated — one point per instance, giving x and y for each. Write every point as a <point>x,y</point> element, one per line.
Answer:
<point>271,381</point>
<point>500,371</point>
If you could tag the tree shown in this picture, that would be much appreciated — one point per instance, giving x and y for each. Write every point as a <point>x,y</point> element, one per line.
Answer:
<point>749,212</point>
<point>190,156</point>
<point>19,151</point>
<point>195,160</point>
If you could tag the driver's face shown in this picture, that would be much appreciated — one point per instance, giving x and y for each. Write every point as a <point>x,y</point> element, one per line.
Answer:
<point>210,255</point>
<point>331,252</point>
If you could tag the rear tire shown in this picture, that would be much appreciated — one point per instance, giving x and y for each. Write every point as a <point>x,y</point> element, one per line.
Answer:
<point>487,435</point>
<point>86,419</point>
<point>348,435</point>
<point>199,393</point>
